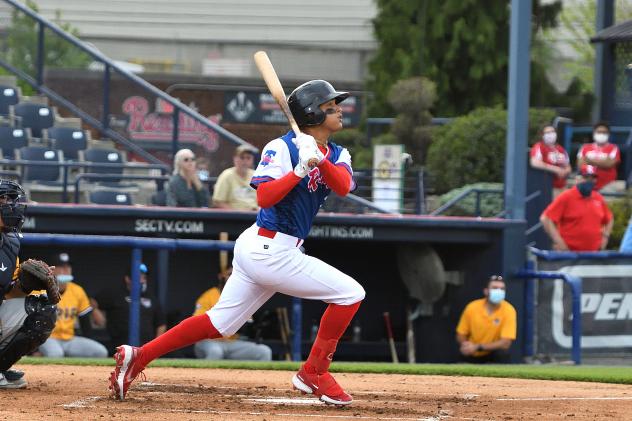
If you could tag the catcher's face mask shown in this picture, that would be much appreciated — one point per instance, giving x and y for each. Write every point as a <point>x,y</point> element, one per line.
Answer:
<point>12,205</point>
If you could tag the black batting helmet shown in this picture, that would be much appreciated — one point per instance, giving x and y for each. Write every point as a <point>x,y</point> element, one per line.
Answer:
<point>305,100</point>
<point>12,205</point>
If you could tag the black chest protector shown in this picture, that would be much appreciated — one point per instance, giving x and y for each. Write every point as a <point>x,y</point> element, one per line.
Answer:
<point>9,250</point>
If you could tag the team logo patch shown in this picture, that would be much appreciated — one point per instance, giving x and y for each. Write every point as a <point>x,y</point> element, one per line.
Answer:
<point>315,178</point>
<point>268,157</point>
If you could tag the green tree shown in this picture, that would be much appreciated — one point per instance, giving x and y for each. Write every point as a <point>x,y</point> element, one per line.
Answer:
<point>21,51</point>
<point>576,27</point>
<point>412,99</point>
<point>471,149</point>
<point>462,46</point>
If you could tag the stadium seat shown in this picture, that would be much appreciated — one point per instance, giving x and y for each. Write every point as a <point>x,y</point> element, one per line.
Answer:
<point>34,116</point>
<point>9,95</point>
<point>106,156</point>
<point>12,138</point>
<point>68,140</point>
<point>110,197</point>
<point>159,198</point>
<point>44,174</point>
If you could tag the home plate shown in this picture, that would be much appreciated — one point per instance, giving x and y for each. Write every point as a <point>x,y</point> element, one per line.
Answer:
<point>288,401</point>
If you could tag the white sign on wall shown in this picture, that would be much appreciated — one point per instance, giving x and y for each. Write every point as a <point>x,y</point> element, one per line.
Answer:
<point>388,176</point>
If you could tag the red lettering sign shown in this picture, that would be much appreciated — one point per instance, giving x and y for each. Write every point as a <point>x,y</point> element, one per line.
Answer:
<point>144,125</point>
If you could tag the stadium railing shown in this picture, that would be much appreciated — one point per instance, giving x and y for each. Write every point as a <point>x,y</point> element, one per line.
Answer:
<point>575,283</point>
<point>164,170</point>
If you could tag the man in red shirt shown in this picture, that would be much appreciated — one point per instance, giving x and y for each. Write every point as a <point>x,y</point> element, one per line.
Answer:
<point>548,155</point>
<point>601,154</point>
<point>579,218</point>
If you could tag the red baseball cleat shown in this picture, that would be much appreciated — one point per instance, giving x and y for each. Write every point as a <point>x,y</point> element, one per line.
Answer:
<point>127,369</point>
<point>322,385</point>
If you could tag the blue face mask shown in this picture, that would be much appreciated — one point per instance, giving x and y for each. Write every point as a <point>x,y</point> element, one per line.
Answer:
<point>585,188</point>
<point>64,278</point>
<point>496,295</point>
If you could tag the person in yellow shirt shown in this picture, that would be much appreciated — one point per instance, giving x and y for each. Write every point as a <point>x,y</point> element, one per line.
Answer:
<point>74,304</point>
<point>487,326</point>
<point>226,348</point>
<point>232,189</point>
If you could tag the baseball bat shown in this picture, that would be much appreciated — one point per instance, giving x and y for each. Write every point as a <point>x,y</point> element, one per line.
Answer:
<point>391,340</point>
<point>284,334</point>
<point>410,337</point>
<point>276,89</point>
<point>223,254</point>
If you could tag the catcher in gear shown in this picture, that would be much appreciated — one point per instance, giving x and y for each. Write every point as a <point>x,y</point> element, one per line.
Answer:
<point>26,320</point>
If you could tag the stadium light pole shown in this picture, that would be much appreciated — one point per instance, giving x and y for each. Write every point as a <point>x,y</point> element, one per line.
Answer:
<point>602,72</point>
<point>514,238</point>
<point>517,109</point>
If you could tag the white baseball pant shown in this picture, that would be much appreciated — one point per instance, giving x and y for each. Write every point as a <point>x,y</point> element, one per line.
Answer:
<point>263,266</point>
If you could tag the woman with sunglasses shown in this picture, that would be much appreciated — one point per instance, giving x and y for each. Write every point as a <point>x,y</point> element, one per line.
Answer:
<point>185,188</point>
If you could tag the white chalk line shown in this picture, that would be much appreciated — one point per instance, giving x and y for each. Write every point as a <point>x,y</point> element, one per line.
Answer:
<point>355,392</point>
<point>83,403</point>
<point>571,398</point>
<point>86,403</point>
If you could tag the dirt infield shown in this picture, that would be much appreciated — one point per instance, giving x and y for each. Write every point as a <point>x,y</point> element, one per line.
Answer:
<point>80,393</point>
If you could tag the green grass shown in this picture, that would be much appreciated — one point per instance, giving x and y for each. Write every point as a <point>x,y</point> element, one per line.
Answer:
<point>603,374</point>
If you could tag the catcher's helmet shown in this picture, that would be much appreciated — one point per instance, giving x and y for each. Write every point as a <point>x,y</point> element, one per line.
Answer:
<point>305,100</point>
<point>12,205</point>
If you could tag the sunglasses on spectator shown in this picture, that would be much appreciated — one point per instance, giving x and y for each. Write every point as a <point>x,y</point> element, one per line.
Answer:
<point>189,159</point>
<point>496,278</point>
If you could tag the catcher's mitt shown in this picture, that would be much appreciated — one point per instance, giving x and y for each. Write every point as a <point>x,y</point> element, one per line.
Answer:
<point>37,275</point>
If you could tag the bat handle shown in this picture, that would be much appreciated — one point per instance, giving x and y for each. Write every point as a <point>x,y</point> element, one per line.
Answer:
<point>387,321</point>
<point>293,124</point>
<point>312,163</point>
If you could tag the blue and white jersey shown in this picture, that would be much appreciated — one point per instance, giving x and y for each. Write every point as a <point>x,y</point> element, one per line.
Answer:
<point>293,215</point>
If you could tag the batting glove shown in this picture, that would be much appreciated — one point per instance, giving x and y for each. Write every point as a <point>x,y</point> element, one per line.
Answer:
<point>303,140</point>
<point>302,168</point>
<point>308,152</point>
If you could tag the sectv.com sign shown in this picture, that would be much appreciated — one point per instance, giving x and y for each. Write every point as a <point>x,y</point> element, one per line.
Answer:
<point>165,225</point>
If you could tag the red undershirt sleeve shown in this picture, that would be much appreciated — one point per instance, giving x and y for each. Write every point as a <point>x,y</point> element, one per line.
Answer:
<point>271,192</point>
<point>337,177</point>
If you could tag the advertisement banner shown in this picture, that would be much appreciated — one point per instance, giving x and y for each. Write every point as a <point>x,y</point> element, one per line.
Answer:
<point>606,306</point>
<point>260,108</point>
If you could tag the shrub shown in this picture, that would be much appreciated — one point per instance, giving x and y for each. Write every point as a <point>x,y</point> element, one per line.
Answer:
<point>355,140</point>
<point>621,211</point>
<point>471,148</point>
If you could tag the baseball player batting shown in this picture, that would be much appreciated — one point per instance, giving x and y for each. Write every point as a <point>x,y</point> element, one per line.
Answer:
<point>267,258</point>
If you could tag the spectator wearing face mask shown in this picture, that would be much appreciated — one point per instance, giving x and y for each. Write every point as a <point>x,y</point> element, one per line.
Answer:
<point>115,301</point>
<point>548,155</point>
<point>602,154</point>
<point>487,327</point>
<point>73,308</point>
<point>579,219</point>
